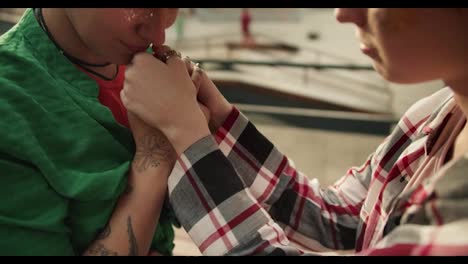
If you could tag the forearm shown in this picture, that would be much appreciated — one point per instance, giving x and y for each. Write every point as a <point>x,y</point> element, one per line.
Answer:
<point>132,225</point>
<point>208,196</point>
<point>276,185</point>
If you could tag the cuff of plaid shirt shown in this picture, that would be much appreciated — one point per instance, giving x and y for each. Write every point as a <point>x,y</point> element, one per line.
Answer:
<point>234,116</point>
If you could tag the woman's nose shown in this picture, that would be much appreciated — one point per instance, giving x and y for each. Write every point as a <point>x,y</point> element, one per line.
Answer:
<point>152,29</point>
<point>357,16</point>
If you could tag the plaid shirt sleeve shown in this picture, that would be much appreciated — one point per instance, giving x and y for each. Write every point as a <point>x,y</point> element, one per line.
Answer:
<point>236,194</point>
<point>240,195</point>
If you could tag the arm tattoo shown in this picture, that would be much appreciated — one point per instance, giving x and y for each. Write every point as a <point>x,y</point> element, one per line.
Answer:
<point>153,150</point>
<point>104,233</point>
<point>133,247</point>
<point>100,250</point>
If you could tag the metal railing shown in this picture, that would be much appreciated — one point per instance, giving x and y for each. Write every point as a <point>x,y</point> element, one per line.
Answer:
<point>227,64</point>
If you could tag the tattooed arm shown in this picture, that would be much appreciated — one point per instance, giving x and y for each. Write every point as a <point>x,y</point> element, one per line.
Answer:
<point>133,223</point>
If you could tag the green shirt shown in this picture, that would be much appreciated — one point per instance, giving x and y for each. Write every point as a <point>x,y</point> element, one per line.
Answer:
<point>63,157</point>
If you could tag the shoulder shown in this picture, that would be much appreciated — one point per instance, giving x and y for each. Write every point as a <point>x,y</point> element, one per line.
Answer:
<point>411,126</point>
<point>21,78</point>
<point>25,80</point>
<point>431,104</point>
<point>21,61</point>
<point>426,110</point>
<point>27,93</point>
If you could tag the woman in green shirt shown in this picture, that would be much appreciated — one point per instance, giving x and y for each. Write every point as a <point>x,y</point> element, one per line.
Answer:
<point>70,180</point>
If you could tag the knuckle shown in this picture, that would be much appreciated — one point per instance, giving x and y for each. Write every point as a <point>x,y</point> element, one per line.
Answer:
<point>141,57</point>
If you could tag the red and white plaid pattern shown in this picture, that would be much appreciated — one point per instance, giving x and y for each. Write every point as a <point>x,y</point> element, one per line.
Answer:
<point>236,194</point>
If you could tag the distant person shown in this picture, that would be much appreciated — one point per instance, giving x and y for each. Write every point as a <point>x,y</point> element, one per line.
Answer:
<point>246,19</point>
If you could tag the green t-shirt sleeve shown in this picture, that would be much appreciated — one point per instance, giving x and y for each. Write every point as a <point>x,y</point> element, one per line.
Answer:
<point>32,215</point>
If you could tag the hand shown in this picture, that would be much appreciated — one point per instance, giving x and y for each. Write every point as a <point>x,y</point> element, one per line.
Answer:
<point>152,146</point>
<point>165,100</point>
<point>209,95</point>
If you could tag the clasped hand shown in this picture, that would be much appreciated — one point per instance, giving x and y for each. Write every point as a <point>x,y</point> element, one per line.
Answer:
<point>164,97</point>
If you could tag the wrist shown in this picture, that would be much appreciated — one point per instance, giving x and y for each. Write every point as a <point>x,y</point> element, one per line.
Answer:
<point>152,167</point>
<point>152,151</point>
<point>182,138</point>
<point>220,114</point>
<point>147,184</point>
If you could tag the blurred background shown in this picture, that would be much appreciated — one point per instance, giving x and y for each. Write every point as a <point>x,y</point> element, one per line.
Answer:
<point>298,75</point>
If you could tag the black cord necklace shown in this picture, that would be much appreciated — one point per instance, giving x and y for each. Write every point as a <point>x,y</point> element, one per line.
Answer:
<point>84,65</point>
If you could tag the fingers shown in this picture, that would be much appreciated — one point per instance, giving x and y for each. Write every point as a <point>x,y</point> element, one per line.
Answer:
<point>197,76</point>
<point>195,72</point>
<point>124,98</point>
<point>188,65</point>
<point>159,52</point>
<point>127,101</point>
<point>169,56</point>
<point>144,58</point>
<point>173,59</point>
<point>206,112</point>
<point>142,62</point>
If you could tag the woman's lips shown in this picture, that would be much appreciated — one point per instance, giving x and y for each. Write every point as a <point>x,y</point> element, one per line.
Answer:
<point>369,51</point>
<point>136,49</point>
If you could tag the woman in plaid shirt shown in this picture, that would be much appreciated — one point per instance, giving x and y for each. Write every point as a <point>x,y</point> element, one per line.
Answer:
<point>236,194</point>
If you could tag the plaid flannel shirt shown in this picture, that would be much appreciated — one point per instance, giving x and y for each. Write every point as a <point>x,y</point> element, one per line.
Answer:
<point>236,194</point>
